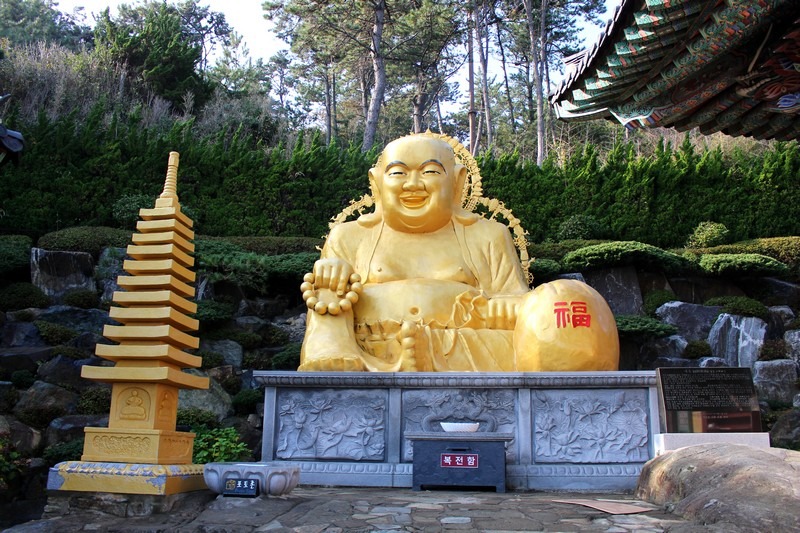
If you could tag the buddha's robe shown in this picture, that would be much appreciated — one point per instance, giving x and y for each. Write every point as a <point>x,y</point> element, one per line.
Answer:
<point>440,283</point>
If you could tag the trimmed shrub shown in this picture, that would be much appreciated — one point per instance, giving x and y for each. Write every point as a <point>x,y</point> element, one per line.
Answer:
<point>126,209</point>
<point>95,401</point>
<point>22,296</point>
<point>774,349</point>
<point>196,418</point>
<point>784,249</point>
<point>557,250</point>
<point>24,315</point>
<point>40,416</point>
<point>257,360</point>
<point>262,245</point>
<point>232,384</point>
<point>742,265</point>
<point>261,273</point>
<point>63,451</point>
<point>624,253</point>
<point>15,252</point>
<point>643,326</point>
<point>54,334</point>
<point>213,313</point>
<point>22,379</point>
<point>89,239</point>
<point>655,299</point>
<point>580,227</point>
<point>246,401</point>
<point>71,352</point>
<point>85,299</point>
<point>246,339</point>
<point>740,306</point>
<point>545,270</point>
<point>697,349</point>
<point>288,358</point>
<point>211,359</point>
<point>708,234</point>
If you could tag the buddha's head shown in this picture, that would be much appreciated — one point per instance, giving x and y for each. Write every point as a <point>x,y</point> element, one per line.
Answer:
<point>417,184</point>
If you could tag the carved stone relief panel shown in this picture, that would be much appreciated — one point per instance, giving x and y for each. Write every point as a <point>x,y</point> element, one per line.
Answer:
<point>331,424</point>
<point>494,409</point>
<point>590,426</point>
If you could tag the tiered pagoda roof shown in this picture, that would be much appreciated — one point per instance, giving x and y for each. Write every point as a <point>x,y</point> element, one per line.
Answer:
<point>717,65</point>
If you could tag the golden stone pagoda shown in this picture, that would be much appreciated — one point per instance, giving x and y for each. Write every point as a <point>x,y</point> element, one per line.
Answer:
<point>140,452</point>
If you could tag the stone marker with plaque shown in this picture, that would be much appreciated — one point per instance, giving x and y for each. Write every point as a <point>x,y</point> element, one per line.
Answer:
<point>242,488</point>
<point>699,405</point>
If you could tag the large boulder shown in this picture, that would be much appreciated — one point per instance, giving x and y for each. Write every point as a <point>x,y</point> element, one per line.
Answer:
<point>109,268</point>
<point>294,326</point>
<point>57,273</point>
<point>693,321</point>
<point>25,439</point>
<point>17,333</point>
<point>785,432</point>
<point>266,308</point>
<point>780,316</point>
<point>737,339</point>
<point>76,318</point>
<point>231,351</point>
<point>8,396</point>
<point>700,289</point>
<point>752,489</point>
<point>66,372</point>
<point>42,402</point>
<point>775,381</point>
<point>620,288</point>
<point>213,399</point>
<point>22,358</point>
<point>775,291</point>
<point>70,427</point>
<point>792,338</point>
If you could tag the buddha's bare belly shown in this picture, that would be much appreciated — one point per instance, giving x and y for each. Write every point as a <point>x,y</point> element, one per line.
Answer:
<point>414,299</point>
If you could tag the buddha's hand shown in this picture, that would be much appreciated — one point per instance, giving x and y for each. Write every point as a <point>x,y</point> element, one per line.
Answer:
<point>334,274</point>
<point>501,312</point>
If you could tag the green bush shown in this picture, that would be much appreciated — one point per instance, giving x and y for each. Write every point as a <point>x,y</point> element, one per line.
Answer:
<point>545,270</point>
<point>697,350</point>
<point>213,313</point>
<point>260,273</point>
<point>655,299</point>
<point>708,234</point>
<point>257,360</point>
<point>231,383</point>
<point>89,239</point>
<point>582,227</point>
<point>740,306</point>
<point>40,416</point>
<point>260,245</point>
<point>288,358</point>
<point>774,349</point>
<point>15,253</point>
<point>218,445</point>
<point>11,463</point>
<point>71,352</point>
<point>742,265</point>
<point>195,417</point>
<point>21,296</point>
<point>63,451</point>
<point>246,339</point>
<point>557,250</point>
<point>784,249</point>
<point>95,401</point>
<point>85,299</point>
<point>211,359</point>
<point>126,209</point>
<point>246,401</point>
<point>24,315</point>
<point>643,326</point>
<point>22,379</point>
<point>54,334</point>
<point>628,253</point>
<point>793,324</point>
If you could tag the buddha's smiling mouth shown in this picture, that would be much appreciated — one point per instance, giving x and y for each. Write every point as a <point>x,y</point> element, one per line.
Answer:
<point>414,200</point>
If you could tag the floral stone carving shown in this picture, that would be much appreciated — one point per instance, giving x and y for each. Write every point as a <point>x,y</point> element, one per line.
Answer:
<point>590,426</point>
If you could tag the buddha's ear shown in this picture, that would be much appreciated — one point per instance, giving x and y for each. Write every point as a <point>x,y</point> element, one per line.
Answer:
<point>460,175</point>
<point>371,219</point>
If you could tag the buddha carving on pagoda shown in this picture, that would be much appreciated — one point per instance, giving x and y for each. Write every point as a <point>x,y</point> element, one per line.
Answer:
<point>425,284</point>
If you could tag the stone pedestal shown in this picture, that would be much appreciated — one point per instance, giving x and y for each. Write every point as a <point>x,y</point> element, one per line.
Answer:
<point>583,431</point>
<point>125,478</point>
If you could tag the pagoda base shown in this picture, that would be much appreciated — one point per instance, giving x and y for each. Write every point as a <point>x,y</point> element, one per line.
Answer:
<point>150,446</point>
<point>124,478</point>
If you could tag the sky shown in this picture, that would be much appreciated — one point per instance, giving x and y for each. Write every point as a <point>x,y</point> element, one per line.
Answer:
<point>247,18</point>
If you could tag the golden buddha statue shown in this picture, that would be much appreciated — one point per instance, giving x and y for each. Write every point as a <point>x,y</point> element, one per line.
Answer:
<point>423,284</point>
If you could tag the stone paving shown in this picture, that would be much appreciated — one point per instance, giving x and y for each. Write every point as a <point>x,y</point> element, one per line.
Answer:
<point>319,510</point>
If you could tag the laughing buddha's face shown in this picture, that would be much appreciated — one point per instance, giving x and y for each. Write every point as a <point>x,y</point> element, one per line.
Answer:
<point>417,187</point>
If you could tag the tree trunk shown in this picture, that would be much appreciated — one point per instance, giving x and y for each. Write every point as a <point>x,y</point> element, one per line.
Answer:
<point>533,33</point>
<point>328,107</point>
<point>473,141</point>
<point>482,38</point>
<point>505,81</point>
<point>379,70</point>
<point>334,121</point>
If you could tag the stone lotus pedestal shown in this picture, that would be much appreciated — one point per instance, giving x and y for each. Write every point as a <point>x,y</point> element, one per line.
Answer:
<point>273,479</point>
